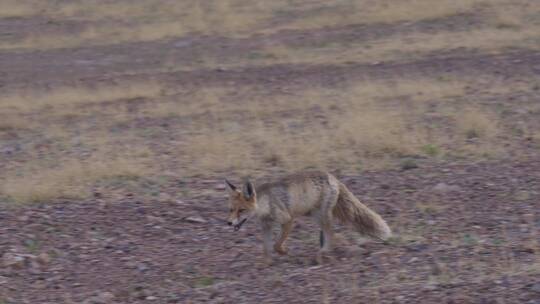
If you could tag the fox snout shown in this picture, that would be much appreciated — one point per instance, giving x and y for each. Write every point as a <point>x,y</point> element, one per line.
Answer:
<point>232,221</point>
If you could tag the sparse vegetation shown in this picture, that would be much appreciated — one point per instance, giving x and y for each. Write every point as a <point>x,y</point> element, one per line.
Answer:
<point>71,179</point>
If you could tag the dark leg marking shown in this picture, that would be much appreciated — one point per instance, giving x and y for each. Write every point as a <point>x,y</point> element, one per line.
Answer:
<point>321,238</point>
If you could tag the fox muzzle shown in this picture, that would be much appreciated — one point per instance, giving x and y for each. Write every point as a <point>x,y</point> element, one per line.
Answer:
<point>239,225</point>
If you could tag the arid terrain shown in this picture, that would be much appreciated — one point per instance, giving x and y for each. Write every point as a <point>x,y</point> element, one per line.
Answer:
<point>119,121</point>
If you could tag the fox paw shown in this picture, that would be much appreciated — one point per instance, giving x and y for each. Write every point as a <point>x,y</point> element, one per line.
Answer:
<point>280,250</point>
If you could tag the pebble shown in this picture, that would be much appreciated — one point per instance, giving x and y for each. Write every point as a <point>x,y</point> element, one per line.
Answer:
<point>445,188</point>
<point>195,219</point>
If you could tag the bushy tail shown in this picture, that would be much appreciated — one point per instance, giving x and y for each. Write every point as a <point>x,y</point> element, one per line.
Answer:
<point>350,210</point>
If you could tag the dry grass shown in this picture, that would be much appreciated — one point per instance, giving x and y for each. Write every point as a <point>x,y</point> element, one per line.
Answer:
<point>473,122</point>
<point>219,103</point>
<point>72,179</point>
<point>27,101</point>
<point>258,147</point>
<point>16,8</point>
<point>365,12</point>
<point>11,123</point>
<point>408,47</point>
<point>100,35</point>
<point>364,125</point>
<point>121,22</point>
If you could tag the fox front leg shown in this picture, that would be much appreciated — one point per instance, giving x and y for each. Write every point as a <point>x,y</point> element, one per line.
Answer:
<point>267,243</point>
<point>285,230</point>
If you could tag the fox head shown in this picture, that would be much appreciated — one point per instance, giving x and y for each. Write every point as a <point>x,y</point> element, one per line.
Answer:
<point>242,204</point>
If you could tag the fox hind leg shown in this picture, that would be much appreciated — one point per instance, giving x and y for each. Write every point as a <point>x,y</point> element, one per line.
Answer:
<point>326,235</point>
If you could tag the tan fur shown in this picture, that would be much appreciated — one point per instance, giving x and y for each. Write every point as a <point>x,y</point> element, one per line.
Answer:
<point>350,210</point>
<point>318,194</point>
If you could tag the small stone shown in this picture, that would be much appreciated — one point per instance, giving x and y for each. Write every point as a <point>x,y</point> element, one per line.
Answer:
<point>43,258</point>
<point>155,219</point>
<point>105,297</point>
<point>165,197</point>
<point>13,260</point>
<point>414,259</point>
<point>142,267</point>
<point>151,298</point>
<point>535,287</point>
<point>195,219</point>
<point>445,188</point>
<point>430,287</point>
<point>23,218</point>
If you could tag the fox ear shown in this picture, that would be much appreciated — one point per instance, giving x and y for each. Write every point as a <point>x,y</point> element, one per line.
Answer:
<point>231,186</point>
<point>248,191</point>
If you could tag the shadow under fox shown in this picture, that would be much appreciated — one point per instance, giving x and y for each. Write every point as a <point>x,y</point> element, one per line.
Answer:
<point>318,194</point>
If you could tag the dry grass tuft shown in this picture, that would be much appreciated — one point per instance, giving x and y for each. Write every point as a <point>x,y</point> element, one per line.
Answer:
<point>473,122</point>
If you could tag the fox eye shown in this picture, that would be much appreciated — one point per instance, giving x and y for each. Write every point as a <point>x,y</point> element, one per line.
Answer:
<point>241,210</point>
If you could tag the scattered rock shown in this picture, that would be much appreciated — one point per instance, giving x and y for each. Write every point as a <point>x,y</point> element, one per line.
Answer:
<point>535,287</point>
<point>430,287</point>
<point>102,298</point>
<point>414,259</point>
<point>219,186</point>
<point>43,258</point>
<point>151,298</point>
<point>23,218</point>
<point>408,164</point>
<point>105,297</point>
<point>445,188</point>
<point>13,260</point>
<point>195,219</point>
<point>165,197</point>
<point>155,219</point>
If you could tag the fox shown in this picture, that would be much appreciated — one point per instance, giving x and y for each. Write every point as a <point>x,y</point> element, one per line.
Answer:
<point>311,193</point>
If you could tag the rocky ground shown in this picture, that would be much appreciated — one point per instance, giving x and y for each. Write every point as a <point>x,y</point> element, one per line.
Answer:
<point>466,233</point>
